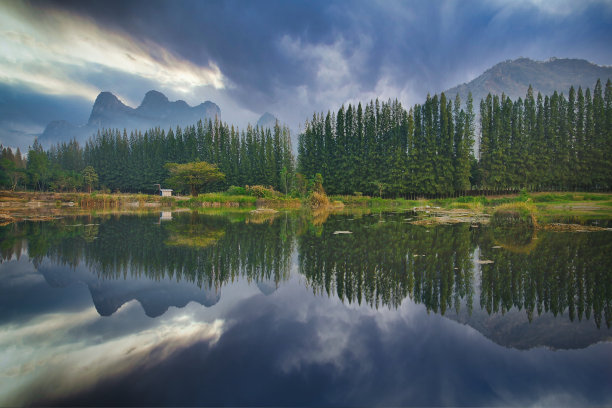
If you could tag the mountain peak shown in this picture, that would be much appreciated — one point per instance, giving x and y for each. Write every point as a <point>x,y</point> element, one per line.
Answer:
<point>107,99</point>
<point>513,77</point>
<point>108,112</point>
<point>154,98</point>
<point>105,106</point>
<point>267,120</point>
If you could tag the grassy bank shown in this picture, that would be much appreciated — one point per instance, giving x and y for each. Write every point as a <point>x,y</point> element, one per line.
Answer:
<point>36,205</point>
<point>545,208</point>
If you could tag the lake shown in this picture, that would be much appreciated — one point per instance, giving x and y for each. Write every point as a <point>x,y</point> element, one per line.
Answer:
<point>352,309</point>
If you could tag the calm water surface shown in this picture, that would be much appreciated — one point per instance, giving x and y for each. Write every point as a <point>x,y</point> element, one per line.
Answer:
<point>294,310</point>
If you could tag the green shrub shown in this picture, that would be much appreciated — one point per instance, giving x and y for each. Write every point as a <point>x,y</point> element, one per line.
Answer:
<point>235,190</point>
<point>262,191</point>
<point>514,214</point>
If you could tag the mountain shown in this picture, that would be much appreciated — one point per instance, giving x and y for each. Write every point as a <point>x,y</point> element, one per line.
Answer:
<point>109,112</point>
<point>513,78</point>
<point>267,120</point>
<point>108,295</point>
<point>513,329</point>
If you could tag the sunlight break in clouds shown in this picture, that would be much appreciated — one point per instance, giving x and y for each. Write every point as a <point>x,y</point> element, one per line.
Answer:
<point>44,355</point>
<point>50,51</point>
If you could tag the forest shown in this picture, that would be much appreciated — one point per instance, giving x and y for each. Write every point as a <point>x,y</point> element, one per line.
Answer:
<point>538,144</point>
<point>136,162</point>
<point>443,147</point>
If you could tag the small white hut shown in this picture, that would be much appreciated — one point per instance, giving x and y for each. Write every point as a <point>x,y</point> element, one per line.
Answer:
<point>164,192</point>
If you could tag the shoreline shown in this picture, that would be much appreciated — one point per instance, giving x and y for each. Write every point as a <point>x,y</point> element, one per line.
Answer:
<point>561,211</point>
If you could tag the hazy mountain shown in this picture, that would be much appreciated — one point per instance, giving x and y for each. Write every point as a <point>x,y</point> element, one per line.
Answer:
<point>109,112</point>
<point>267,120</point>
<point>108,295</point>
<point>514,330</point>
<point>513,78</point>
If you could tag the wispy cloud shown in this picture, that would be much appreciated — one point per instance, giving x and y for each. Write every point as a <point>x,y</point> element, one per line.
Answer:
<point>42,50</point>
<point>33,355</point>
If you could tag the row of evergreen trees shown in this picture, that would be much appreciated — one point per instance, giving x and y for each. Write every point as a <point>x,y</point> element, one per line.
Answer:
<point>386,149</point>
<point>12,167</point>
<point>136,162</point>
<point>548,143</point>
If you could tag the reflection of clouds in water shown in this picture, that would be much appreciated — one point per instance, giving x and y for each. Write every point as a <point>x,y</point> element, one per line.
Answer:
<point>45,355</point>
<point>355,354</point>
<point>15,273</point>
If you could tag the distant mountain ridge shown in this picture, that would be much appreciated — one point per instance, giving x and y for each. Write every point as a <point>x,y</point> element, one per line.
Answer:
<point>267,120</point>
<point>513,77</point>
<point>109,112</point>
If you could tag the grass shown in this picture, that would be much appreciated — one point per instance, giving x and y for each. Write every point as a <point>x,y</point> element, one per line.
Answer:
<point>513,214</point>
<point>222,198</point>
<point>376,202</point>
<point>575,207</point>
<point>568,197</point>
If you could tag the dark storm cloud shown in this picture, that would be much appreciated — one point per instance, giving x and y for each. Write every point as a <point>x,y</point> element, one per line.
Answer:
<point>24,113</point>
<point>387,46</point>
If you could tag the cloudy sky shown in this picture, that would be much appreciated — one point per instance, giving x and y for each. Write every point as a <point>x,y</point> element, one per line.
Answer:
<point>290,58</point>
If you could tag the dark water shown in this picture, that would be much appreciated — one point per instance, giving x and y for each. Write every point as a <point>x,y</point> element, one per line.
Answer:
<point>240,310</point>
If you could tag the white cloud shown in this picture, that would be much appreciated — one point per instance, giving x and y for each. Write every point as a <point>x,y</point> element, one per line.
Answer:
<point>46,352</point>
<point>42,51</point>
<point>338,69</point>
<point>552,7</point>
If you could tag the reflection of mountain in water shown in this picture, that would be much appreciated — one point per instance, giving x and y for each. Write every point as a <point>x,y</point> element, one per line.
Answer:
<point>126,258</point>
<point>553,289</point>
<point>513,329</point>
<point>267,287</point>
<point>108,295</point>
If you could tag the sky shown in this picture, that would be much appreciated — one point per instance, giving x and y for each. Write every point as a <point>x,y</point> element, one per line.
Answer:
<point>290,58</point>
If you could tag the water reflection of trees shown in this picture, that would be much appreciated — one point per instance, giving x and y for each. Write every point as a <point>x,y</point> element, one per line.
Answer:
<point>564,272</point>
<point>382,263</point>
<point>206,250</point>
<point>384,260</point>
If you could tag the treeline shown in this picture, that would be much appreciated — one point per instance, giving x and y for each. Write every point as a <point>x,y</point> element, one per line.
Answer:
<point>383,149</point>
<point>58,169</point>
<point>12,167</point>
<point>256,156</point>
<point>135,162</point>
<point>538,144</point>
<point>547,142</point>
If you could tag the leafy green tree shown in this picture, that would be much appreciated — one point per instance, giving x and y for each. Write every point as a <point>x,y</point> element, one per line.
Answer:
<point>90,177</point>
<point>194,175</point>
